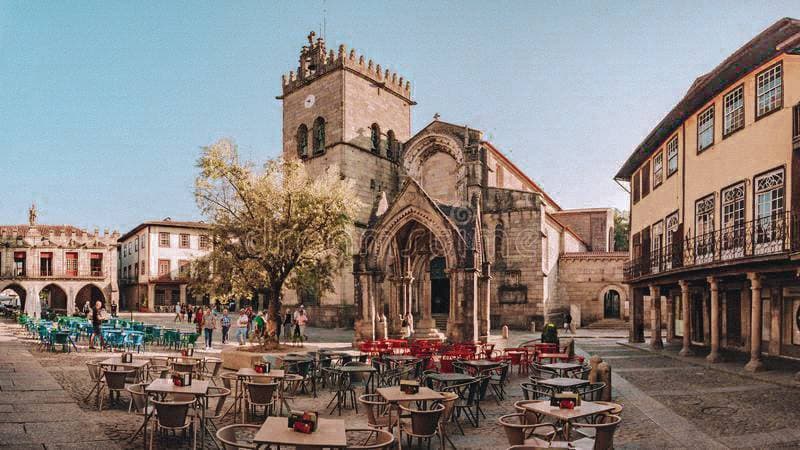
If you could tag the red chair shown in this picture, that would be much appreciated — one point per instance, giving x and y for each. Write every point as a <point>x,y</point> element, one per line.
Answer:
<point>517,357</point>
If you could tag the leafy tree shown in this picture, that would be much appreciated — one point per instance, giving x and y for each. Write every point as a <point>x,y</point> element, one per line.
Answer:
<point>622,229</point>
<point>272,228</point>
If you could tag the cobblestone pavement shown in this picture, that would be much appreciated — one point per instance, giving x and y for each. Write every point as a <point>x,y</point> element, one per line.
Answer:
<point>668,403</point>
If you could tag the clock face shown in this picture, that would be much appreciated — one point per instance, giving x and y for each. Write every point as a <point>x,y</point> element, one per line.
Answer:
<point>309,102</point>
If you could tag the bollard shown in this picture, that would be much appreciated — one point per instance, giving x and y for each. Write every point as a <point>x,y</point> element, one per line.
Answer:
<point>604,376</point>
<point>385,326</point>
<point>594,361</point>
<point>505,331</point>
<point>533,327</point>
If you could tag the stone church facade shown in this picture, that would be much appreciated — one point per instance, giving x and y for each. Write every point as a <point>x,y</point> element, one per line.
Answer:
<point>451,230</point>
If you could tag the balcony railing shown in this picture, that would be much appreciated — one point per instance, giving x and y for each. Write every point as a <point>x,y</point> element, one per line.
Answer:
<point>796,127</point>
<point>174,276</point>
<point>42,272</point>
<point>747,240</point>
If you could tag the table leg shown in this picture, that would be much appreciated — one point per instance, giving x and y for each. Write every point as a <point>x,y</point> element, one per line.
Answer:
<point>146,407</point>
<point>203,423</point>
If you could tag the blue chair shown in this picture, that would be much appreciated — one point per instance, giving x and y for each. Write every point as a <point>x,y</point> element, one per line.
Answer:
<point>134,339</point>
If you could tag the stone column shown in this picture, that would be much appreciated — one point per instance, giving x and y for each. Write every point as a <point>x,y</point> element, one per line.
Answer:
<point>755,364</point>
<point>655,306</point>
<point>670,318</point>
<point>636,331</point>
<point>687,339</point>
<point>182,294</point>
<point>151,297</point>
<point>713,285</point>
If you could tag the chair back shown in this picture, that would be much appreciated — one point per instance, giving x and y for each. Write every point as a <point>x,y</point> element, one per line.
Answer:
<point>424,422</point>
<point>449,403</point>
<point>183,367</point>
<point>515,427</point>
<point>375,439</point>
<point>213,366</point>
<point>172,414</point>
<point>261,393</point>
<point>138,396</point>
<point>95,371</point>
<point>592,391</point>
<point>604,432</point>
<point>216,401</point>
<point>533,391</point>
<point>235,437</point>
<point>115,379</point>
<point>375,406</point>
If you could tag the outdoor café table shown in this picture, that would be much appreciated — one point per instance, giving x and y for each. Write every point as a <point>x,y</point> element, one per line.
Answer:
<point>399,359</point>
<point>450,378</point>
<point>562,367</point>
<point>560,384</point>
<point>249,373</point>
<point>567,416</point>
<point>275,431</point>
<point>481,364</point>
<point>553,356</point>
<point>164,386</point>
<point>136,364</point>
<point>362,368</point>
<point>394,396</point>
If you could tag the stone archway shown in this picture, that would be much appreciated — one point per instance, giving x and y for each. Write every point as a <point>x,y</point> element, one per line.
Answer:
<point>613,300</point>
<point>90,293</point>
<point>19,290</point>
<point>54,298</point>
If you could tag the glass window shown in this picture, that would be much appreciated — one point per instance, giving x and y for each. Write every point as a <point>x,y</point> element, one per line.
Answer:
<point>302,141</point>
<point>672,156</point>
<point>375,138</point>
<point>769,90</point>
<point>769,210</point>
<point>733,111</point>
<point>203,241</point>
<point>163,267</point>
<point>319,135</point>
<point>184,240</point>
<point>657,240</point>
<point>658,169</point>
<point>671,223</point>
<point>704,227</point>
<point>163,239</point>
<point>733,199</point>
<point>705,129</point>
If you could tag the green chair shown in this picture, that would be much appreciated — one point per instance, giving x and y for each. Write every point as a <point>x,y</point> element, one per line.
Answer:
<point>188,340</point>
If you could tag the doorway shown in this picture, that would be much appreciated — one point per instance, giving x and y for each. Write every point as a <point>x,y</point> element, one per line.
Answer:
<point>733,318</point>
<point>440,287</point>
<point>697,317</point>
<point>611,305</point>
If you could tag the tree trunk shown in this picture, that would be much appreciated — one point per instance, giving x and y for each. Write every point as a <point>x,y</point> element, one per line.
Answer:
<point>273,297</point>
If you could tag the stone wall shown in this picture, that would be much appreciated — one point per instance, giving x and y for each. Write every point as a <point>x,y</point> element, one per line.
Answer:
<point>583,280</point>
<point>594,226</point>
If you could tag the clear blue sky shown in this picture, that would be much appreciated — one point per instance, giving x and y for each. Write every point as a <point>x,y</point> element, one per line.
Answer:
<point>104,105</point>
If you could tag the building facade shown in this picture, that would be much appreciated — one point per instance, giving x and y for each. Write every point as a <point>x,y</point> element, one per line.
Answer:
<point>451,230</point>
<point>714,235</point>
<point>57,267</point>
<point>154,262</point>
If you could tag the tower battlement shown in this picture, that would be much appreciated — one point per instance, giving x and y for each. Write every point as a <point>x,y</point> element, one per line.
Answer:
<point>316,61</point>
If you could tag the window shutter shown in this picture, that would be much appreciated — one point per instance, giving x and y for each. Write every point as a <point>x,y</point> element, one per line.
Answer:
<point>677,246</point>
<point>645,179</point>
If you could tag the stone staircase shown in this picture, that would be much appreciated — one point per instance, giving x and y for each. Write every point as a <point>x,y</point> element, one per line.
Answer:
<point>608,324</point>
<point>441,322</point>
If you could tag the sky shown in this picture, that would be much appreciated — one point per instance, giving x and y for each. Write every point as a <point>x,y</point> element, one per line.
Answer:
<point>104,105</point>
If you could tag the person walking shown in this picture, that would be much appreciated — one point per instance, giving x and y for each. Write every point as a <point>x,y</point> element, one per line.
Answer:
<point>198,319</point>
<point>87,308</point>
<point>242,324</point>
<point>114,309</point>
<point>287,326</point>
<point>209,323</point>
<point>249,312</point>
<point>302,320</point>
<point>568,322</point>
<point>225,323</point>
<point>188,313</point>
<point>405,330</point>
<point>259,325</point>
<point>178,313</point>
<point>97,319</point>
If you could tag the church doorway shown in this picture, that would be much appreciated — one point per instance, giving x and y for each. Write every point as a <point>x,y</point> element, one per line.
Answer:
<point>611,307</point>
<point>440,287</point>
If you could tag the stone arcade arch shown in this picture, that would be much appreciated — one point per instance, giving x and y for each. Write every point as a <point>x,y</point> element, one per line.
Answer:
<point>91,293</point>
<point>54,297</point>
<point>19,290</point>
<point>614,306</point>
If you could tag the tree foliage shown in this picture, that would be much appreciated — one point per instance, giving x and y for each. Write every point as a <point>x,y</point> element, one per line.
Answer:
<point>271,227</point>
<point>622,230</point>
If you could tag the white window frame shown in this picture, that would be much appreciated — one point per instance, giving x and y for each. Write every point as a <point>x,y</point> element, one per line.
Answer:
<point>704,229</point>
<point>671,223</point>
<point>672,154</point>
<point>733,111</point>
<point>705,125</point>
<point>770,198</point>
<point>658,169</point>
<point>769,90</point>
<point>732,226</point>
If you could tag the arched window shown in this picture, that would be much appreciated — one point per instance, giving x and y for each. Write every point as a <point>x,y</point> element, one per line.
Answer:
<point>375,138</point>
<point>391,143</point>
<point>319,136</point>
<point>499,235</point>
<point>302,141</point>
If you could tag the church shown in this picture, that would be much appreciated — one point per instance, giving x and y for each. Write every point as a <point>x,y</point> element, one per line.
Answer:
<point>452,231</point>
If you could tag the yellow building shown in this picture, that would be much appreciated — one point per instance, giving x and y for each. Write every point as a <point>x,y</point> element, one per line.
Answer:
<point>714,229</point>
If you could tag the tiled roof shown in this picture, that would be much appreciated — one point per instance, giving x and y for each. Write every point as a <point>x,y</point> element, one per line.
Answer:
<point>43,230</point>
<point>164,223</point>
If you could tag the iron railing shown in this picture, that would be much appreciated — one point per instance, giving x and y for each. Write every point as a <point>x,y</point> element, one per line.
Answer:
<point>746,240</point>
<point>53,272</point>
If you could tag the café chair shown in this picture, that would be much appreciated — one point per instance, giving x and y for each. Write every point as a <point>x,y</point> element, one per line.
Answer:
<point>518,430</point>
<point>375,439</point>
<point>158,365</point>
<point>449,403</point>
<point>424,424</point>
<point>173,416</point>
<point>216,398</point>
<point>533,391</point>
<point>96,376</point>
<point>115,383</point>
<point>211,369</point>
<point>138,402</point>
<point>239,436</point>
<point>260,394</point>
<point>591,392</point>
<point>604,430</point>
<point>377,411</point>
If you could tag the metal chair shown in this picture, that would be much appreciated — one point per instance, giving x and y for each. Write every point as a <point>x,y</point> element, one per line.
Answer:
<point>96,375</point>
<point>216,398</point>
<point>591,392</point>
<point>211,369</point>
<point>449,403</point>
<point>424,423</point>
<point>173,416</point>
<point>604,431</point>
<point>375,439</point>
<point>533,391</point>
<point>260,394</point>
<point>235,437</point>
<point>138,402</point>
<point>377,411</point>
<point>518,430</point>
<point>115,383</point>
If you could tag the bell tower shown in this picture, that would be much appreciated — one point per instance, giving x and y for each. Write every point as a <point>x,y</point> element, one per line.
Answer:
<point>342,109</point>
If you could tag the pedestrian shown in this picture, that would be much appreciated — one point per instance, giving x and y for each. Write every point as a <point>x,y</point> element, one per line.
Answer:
<point>198,319</point>
<point>567,322</point>
<point>113,309</point>
<point>250,317</point>
<point>97,319</point>
<point>225,323</point>
<point>178,313</point>
<point>302,320</point>
<point>287,326</point>
<point>243,323</point>
<point>259,324</point>
<point>405,331</point>
<point>189,314</point>
<point>278,326</point>
<point>86,307</point>
<point>410,318</point>
<point>209,324</point>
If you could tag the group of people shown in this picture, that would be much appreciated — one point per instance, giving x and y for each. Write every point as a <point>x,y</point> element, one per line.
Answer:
<point>253,325</point>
